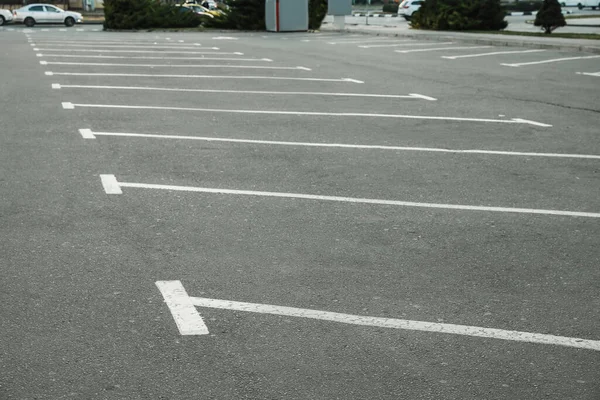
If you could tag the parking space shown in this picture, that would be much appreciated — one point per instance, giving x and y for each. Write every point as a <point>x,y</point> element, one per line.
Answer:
<point>301,216</point>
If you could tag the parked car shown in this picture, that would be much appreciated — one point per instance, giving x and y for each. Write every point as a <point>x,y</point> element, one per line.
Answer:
<point>5,16</point>
<point>408,7</point>
<point>45,14</point>
<point>199,10</point>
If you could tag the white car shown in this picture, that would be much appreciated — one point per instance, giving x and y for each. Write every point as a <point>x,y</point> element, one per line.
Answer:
<point>45,14</point>
<point>408,7</point>
<point>5,16</point>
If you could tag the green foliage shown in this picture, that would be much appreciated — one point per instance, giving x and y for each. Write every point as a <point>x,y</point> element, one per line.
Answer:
<point>550,16</point>
<point>460,15</point>
<point>317,10</point>
<point>246,15</point>
<point>391,8</point>
<point>146,14</point>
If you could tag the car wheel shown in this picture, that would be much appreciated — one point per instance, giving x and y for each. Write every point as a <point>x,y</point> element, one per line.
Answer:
<point>2,20</point>
<point>69,22</point>
<point>29,22</point>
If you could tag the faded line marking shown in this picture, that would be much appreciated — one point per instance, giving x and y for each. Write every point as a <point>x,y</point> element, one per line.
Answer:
<point>550,61</point>
<point>187,318</point>
<point>392,96</point>
<point>491,54</point>
<point>358,200</point>
<point>403,44</point>
<point>442,48</point>
<point>89,134</point>
<point>463,330</point>
<point>309,113</point>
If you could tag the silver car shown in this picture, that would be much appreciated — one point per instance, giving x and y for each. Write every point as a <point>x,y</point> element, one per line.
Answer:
<point>5,16</point>
<point>45,14</point>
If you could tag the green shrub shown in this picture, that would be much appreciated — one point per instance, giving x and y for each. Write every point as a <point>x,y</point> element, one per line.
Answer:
<point>550,16</point>
<point>146,14</point>
<point>391,8</point>
<point>317,11</point>
<point>459,15</point>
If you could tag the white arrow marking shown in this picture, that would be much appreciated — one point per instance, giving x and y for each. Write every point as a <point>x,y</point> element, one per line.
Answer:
<point>188,321</point>
<point>50,73</point>
<point>171,65</point>
<point>311,113</point>
<point>350,199</point>
<point>162,89</point>
<point>89,134</point>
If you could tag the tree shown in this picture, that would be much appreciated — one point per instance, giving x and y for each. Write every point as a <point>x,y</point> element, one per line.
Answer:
<point>460,15</point>
<point>550,16</point>
<point>146,14</point>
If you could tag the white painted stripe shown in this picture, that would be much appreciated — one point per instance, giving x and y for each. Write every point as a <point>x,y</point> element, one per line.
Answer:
<point>374,40</point>
<point>224,66</point>
<point>68,106</point>
<point>137,46</point>
<point>187,318</point>
<point>88,42</point>
<point>358,200</point>
<point>140,51</point>
<point>403,44</point>
<point>404,324</point>
<point>491,54</point>
<point>50,73</point>
<point>89,134</point>
<point>550,61</point>
<point>110,184</point>
<point>392,96</point>
<point>312,113</point>
<point>589,73</point>
<point>442,48</point>
<point>154,58</point>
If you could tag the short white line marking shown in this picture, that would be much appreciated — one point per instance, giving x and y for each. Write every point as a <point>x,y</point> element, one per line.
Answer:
<point>62,30</point>
<point>224,38</point>
<point>403,44</point>
<point>356,200</point>
<point>154,58</point>
<point>354,41</point>
<point>32,44</point>
<point>39,55</point>
<point>79,30</point>
<point>87,134</point>
<point>404,324</point>
<point>170,89</point>
<point>207,76</point>
<point>550,61</point>
<point>188,321</point>
<point>68,106</point>
<point>110,184</point>
<point>90,134</point>
<point>491,54</point>
<point>56,86</point>
<point>45,30</point>
<point>442,48</point>
<point>313,113</point>
<point>140,51</point>
<point>224,66</point>
<point>49,73</point>
<point>588,73</point>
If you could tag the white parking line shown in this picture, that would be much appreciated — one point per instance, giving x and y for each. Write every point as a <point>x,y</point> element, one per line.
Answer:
<point>491,54</point>
<point>354,200</point>
<point>89,134</point>
<point>403,44</point>
<point>153,58</point>
<point>184,313</point>
<point>442,48</point>
<point>70,106</point>
<point>392,96</point>
<point>88,43</point>
<point>140,51</point>
<point>374,40</point>
<point>550,61</point>
<point>190,322</point>
<point>589,73</point>
<point>280,78</point>
<point>299,68</point>
<point>118,46</point>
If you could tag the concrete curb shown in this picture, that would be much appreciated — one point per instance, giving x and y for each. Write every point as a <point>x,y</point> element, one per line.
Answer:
<point>585,45</point>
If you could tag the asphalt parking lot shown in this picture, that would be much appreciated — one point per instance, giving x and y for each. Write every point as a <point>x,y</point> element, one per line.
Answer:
<point>296,216</point>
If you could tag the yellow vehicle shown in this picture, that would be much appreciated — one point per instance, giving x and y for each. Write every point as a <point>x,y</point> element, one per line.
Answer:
<point>202,10</point>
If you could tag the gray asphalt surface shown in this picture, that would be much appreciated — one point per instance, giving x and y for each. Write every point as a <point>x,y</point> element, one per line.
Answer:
<point>82,317</point>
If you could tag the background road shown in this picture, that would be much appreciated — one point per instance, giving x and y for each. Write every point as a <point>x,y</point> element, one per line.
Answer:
<point>503,237</point>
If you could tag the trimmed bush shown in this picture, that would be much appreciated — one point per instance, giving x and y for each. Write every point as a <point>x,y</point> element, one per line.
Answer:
<point>460,15</point>
<point>550,16</point>
<point>391,8</point>
<point>317,11</point>
<point>146,14</point>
